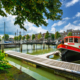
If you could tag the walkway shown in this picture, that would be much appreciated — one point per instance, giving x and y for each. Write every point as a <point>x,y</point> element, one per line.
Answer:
<point>48,54</point>
<point>50,63</point>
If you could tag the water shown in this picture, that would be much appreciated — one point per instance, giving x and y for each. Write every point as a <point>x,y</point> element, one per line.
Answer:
<point>40,73</point>
<point>37,73</point>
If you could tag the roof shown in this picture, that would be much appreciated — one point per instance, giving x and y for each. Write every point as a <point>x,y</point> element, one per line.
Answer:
<point>72,37</point>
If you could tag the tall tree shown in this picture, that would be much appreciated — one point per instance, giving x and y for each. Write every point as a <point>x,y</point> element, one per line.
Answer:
<point>6,37</point>
<point>27,36</point>
<point>23,37</point>
<point>15,38</point>
<point>52,36</point>
<point>19,37</point>
<point>57,35</point>
<point>33,36</point>
<point>31,10</point>
<point>47,35</point>
<point>39,36</point>
<point>69,34</point>
<point>0,38</point>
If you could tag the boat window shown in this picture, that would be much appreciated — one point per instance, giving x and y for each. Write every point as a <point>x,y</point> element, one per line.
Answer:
<point>76,40</point>
<point>70,39</point>
<point>66,40</point>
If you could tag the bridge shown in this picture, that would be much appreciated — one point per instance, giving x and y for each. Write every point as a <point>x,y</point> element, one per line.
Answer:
<point>18,43</point>
<point>49,63</point>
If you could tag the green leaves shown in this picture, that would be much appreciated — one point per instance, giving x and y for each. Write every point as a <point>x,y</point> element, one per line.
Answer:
<point>27,36</point>
<point>57,35</point>
<point>3,63</point>
<point>32,10</point>
<point>69,34</point>
<point>33,36</point>
<point>47,35</point>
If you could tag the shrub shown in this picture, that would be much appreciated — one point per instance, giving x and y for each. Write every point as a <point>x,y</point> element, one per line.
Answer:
<point>4,65</point>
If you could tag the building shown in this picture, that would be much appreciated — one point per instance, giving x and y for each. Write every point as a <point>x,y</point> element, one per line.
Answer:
<point>74,33</point>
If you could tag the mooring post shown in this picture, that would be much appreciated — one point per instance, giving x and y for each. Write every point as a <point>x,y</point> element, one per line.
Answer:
<point>43,46</point>
<point>21,45</point>
<point>34,46</point>
<point>48,46</point>
<point>2,45</point>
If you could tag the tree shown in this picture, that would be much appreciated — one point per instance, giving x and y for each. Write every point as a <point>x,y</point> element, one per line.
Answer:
<point>47,35</point>
<point>39,35</point>
<point>0,38</point>
<point>33,36</point>
<point>31,10</point>
<point>69,34</point>
<point>19,37</point>
<point>6,37</point>
<point>57,35</point>
<point>27,36</point>
<point>52,36</point>
<point>23,38</point>
<point>15,38</point>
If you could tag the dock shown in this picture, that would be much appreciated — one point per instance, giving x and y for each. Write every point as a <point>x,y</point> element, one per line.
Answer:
<point>49,63</point>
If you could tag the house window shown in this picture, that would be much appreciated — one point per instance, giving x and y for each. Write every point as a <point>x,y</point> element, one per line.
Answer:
<point>76,40</point>
<point>66,40</point>
<point>70,39</point>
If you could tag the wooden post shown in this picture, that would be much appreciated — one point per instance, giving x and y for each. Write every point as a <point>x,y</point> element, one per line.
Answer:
<point>21,45</point>
<point>2,45</point>
<point>43,46</point>
<point>48,46</point>
<point>34,46</point>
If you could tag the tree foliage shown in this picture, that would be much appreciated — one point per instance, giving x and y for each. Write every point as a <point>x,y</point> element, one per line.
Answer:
<point>3,63</point>
<point>27,36</point>
<point>6,37</point>
<point>32,10</point>
<point>69,34</point>
<point>0,38</point>
<point>15,38</point>
<point>33,36</point>
<point>39,36</point>
<point>19,37</point>
<point>47,35</point>
<point>52,36</point>
<point>23,37</point>
<point>57,35</point>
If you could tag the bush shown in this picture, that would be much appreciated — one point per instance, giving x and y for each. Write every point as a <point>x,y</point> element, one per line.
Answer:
<point>4,65</point>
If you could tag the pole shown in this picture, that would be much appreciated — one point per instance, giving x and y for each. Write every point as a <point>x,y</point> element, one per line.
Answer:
<point>4,31</point>
<point>17,35</point>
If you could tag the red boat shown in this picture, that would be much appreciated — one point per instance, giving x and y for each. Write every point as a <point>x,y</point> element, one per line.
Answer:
<point>70,50</point>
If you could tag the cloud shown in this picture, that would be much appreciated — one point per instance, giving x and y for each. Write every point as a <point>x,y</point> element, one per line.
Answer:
<point>75,22</point>
<point>71,3</point>
<point>46,20</point>
<point>78,14</point>
<point>70,26</point>
<point>53,30</point>
<point>10,28</point>
<point>58,23</point>
<point>66,18</point>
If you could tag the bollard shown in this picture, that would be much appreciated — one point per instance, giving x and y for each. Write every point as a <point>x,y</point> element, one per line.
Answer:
<point>2,45</point>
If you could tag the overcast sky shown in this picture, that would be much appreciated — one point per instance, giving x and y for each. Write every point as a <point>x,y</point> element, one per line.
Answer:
<point>70,20</point>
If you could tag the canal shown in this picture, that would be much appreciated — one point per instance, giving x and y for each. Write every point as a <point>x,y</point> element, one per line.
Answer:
<point>40,73</point>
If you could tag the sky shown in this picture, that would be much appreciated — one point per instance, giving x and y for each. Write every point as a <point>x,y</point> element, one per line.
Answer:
<point>70,20</point>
